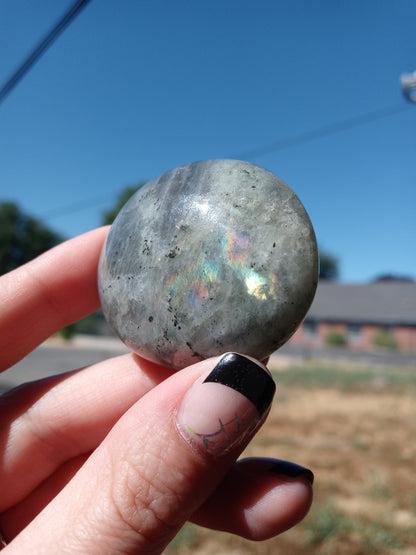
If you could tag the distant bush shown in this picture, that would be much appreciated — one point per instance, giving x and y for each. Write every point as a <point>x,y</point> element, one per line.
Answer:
<point>335,339</point>
<point>67,332</point>
<point>385,338</point>
<point>90,325</point>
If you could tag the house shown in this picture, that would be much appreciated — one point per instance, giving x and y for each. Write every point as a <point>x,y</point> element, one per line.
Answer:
<point>361,316</point>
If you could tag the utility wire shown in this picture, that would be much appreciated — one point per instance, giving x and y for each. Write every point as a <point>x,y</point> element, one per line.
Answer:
<point>41,47</point>
<point>77,206</point>
<point>288,142</point>
<point>324,131</point>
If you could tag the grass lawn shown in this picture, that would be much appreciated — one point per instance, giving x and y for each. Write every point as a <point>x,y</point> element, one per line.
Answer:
<point>355,427</point>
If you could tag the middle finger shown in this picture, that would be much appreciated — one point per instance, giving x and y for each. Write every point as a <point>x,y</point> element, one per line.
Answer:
<point>48,422</point>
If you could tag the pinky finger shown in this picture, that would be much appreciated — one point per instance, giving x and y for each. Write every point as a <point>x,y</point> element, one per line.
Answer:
<point>258,499</point>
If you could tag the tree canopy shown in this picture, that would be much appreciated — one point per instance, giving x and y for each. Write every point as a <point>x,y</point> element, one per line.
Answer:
<point>22,237</point>
<point>328,266</point>
<point>110,215</point>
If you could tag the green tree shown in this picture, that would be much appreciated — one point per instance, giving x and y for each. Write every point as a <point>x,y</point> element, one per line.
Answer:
<point>22,237</point>
<point>110,215</point>
<point>328,266</point>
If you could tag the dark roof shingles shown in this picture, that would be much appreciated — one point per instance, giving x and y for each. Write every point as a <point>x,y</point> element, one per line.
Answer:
<point>385,303</point>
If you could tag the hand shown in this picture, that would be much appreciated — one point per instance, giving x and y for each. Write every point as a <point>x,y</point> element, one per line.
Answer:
<point>116,457</point>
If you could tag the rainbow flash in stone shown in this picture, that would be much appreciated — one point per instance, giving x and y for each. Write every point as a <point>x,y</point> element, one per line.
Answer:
<point>210,257</point>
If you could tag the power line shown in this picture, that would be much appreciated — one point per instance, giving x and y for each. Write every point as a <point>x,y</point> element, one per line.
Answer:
<point>77,206</point>
<point>324,131</point>
<point>41,47</point>
<point>288,142</point>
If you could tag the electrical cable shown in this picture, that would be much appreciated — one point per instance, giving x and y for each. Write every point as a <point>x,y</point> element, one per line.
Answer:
<point>77,206</point>
<point>281,144</point>
<point>41,47</point>
<point>324,131</point>
<point>288,142</point>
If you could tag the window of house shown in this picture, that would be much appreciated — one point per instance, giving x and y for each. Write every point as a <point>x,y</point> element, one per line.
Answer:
<point>354,333</point>
<point>310,329</point>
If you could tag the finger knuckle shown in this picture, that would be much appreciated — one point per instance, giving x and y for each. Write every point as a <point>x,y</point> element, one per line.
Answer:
<point>146,501</point>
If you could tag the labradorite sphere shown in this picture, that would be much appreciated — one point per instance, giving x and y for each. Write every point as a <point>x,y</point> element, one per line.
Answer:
<point>210,257</point>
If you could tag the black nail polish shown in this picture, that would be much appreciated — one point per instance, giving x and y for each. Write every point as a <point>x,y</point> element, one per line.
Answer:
<point>292,470</point>
<point>246,377</point>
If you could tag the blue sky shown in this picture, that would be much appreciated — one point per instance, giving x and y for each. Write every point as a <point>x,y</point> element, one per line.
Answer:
<point>134,88</point>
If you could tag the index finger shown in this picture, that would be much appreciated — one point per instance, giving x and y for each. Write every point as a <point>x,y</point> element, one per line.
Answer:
<point>48,293</point>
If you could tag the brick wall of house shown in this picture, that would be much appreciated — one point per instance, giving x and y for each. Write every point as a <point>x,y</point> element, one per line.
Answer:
<point>359,338</point>
<point>361,312</point>
<point>406,338</point>
<point>368,332</point>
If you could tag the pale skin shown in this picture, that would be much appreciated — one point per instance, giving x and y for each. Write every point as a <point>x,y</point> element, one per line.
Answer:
<point>92,461</point>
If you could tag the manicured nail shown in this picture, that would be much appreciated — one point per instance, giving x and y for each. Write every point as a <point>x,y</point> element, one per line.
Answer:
<point>292,470</point>
<point>222,408</point>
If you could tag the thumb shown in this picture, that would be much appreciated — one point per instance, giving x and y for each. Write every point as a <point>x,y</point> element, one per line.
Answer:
<point>159,463</point>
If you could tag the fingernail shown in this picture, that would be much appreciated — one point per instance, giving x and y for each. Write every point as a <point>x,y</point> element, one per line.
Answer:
<point>223,407</point>
<point>292,470</point>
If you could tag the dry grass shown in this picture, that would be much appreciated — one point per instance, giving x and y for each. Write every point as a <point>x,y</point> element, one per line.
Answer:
<point>355,428</point>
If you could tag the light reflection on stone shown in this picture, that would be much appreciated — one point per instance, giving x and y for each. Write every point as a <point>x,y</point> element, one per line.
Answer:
<point>210,257</point>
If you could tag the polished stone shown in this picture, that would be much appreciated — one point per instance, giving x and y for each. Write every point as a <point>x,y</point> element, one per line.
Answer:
<point>210,257</point>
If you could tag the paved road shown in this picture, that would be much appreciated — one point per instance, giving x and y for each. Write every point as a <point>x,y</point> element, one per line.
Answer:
<point>50,359</point>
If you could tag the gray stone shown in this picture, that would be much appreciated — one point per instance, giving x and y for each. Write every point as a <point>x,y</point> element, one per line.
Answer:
<point>210,257</point>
